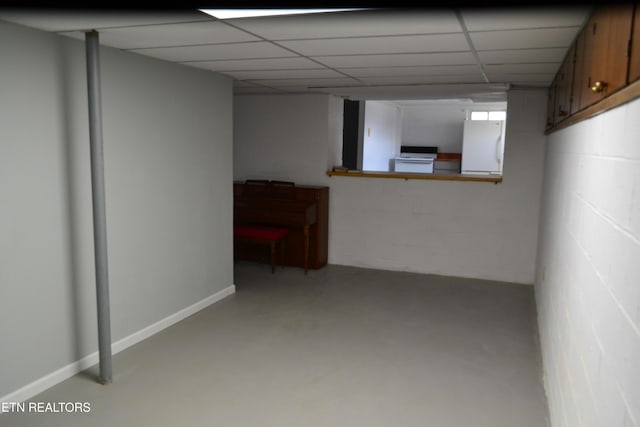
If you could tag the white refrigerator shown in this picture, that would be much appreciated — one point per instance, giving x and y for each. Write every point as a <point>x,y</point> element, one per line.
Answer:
<point>482,147</point>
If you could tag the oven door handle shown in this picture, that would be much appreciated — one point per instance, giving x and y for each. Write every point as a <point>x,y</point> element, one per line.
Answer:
<point>425,161</point>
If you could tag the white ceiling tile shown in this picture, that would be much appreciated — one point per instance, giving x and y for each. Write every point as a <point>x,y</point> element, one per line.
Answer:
<point>548,68</point>
<point>539,77</point>
<point>411,71</point>
<point>83,20</point>
<point>412,80</point>
<point>217,51</point>
<point>479,92</point>
<point>308,82</point>
<point>257,90</point>
<point>352,24</point>
<point>514,56</point>
<point>531,83</point>
<point>524,39</point>
<point>255,64</point>
<point>302,89</point>
<point>298,89</point>
<point>524,17</point>
<point>520,77</point>
<point>403,59</point>
<point>373,45</point>
<point>172,35</point>
<point>282,74</point>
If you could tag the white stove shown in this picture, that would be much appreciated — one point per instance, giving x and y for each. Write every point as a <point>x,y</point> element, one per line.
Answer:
<point>415,159</point>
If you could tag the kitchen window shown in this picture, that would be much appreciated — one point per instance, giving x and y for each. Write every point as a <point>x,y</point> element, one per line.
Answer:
<point>488,115</point>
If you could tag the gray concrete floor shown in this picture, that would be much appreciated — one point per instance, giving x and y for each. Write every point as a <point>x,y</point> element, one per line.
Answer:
<point>343,347</point>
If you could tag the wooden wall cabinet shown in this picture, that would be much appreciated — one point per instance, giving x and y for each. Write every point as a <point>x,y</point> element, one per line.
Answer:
<point>605,53</point>
<point>634,60</point>
<point>604,59</point>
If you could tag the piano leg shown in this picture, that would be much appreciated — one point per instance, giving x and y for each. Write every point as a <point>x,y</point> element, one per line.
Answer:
<point>306,249</point>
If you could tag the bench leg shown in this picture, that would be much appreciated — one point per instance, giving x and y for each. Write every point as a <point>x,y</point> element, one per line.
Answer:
<point>273,247</point>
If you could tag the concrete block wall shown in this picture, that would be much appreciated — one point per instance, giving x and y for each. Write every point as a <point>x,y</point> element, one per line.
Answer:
<point>588,271</point>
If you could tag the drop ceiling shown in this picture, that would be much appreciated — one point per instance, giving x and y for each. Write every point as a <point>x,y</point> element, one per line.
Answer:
<point>365,54</point>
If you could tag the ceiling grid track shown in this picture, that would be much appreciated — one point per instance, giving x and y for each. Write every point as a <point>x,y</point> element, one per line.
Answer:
<point>465,31</point>
<point>298,54</point>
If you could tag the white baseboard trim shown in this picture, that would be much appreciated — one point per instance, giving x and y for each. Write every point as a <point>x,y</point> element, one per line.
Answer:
<point>66,372</point>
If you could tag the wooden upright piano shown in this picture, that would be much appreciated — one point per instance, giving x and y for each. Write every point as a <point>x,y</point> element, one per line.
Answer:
<point>303,209</point>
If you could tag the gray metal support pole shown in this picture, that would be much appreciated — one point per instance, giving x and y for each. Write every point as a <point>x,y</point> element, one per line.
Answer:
<point>99,209</point>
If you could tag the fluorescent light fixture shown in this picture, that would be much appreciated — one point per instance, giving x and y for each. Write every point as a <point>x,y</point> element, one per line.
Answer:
<point>247,13</point>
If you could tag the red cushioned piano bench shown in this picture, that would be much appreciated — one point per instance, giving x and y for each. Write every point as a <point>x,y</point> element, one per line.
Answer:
<point>262,234</point>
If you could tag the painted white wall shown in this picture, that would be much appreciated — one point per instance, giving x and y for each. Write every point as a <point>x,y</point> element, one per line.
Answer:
<point>168,148</point>
<point>434,125</point>
<point>382,135</point>
<point>588,271</point>
<point>468,229</point>
<point>286,137</point>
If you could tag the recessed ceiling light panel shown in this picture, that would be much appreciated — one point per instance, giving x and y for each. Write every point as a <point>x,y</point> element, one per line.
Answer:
<point>249,13</point>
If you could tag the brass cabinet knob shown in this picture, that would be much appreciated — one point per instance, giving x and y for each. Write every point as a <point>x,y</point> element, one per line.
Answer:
<point>598,87</point>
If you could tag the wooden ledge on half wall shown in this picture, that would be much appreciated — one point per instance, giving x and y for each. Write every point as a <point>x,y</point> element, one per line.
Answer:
<point>438,175</point>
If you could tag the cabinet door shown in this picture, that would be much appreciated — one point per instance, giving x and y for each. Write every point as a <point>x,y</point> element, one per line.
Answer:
<point>551,103</point>
<point>578,66</point>
<point>605,58</point>
<point>634,60</point>
<point>563,87</point>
